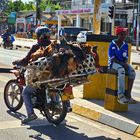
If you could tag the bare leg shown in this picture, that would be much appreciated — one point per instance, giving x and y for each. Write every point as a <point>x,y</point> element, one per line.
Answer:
<point>130,85</point>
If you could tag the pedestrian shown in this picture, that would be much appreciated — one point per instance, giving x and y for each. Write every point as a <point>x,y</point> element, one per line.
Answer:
<point>43,38</point>
<point>118,60</point>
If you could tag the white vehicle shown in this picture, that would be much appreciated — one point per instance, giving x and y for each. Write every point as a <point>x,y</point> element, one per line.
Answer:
<point>82,36</point>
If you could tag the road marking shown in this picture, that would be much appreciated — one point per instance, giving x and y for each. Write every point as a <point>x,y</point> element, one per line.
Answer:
<point>39,122</point>
<point>136,86</point>
<point>136,90</point>
<point>10,124</point>
<point>137,80</point>
<point>4,78</point>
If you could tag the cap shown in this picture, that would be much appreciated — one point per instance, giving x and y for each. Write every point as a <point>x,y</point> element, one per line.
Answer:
<point>121,29</point>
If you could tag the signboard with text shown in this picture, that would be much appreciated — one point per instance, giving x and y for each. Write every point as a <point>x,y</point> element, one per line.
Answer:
<point>77,11</point>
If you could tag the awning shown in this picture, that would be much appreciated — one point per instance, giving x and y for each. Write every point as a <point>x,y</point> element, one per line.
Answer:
<point>51,22</point>
<point>47,15</point>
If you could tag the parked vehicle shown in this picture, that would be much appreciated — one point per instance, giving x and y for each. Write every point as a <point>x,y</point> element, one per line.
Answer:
<point>82,36</point>
<point>70,32</point>
<point>50,102</point>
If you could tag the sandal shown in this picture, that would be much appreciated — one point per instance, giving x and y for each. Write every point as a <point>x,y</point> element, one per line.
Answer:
<point>29,118</point>
<point>122,100</point>
<point>132,101</point>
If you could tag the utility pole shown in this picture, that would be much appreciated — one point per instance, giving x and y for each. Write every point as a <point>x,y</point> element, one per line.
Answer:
<point>138,25</point>
<point>113,19</point>
<point>36,12</point>
<point>97,17</point>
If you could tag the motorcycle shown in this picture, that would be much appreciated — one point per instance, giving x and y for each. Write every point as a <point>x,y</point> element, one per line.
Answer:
<point>52,101</point>
<point>8,42</point>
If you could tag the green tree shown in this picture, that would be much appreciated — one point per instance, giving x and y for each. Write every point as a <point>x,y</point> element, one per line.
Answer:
<point>53,6</point>
<point>48,4</point>
<point>3,6</point>
<point>30,6</point>
<point>18,5</point>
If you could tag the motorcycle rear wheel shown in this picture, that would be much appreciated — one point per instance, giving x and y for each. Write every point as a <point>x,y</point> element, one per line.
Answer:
<point>12,94</point>
<point>56,113</point>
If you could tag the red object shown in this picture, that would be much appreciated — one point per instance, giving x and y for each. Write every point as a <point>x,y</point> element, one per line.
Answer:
<point>21,81</point>
<point>121,29</point>
<point>135,33</point>
<point>68,90</point>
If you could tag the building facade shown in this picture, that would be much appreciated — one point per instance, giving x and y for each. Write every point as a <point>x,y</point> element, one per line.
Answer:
<point>80,13</point>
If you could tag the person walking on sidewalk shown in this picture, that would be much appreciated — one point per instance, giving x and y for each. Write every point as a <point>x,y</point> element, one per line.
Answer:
<point>118,60</point>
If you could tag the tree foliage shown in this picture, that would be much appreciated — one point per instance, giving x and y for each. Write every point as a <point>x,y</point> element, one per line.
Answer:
<point>30,6</point>
<point>3,6</point>
<point>18,5</point>
<point>48,4</point>
<point>9,6</point>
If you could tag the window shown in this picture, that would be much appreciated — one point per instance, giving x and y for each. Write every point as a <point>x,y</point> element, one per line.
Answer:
<point>84,2</point>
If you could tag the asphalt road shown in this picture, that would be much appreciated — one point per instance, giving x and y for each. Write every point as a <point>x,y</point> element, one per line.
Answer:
<point>73,128</point>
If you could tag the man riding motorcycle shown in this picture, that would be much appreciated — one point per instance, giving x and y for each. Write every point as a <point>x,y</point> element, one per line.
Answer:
<point>7,42</point>
<point>43,40</point>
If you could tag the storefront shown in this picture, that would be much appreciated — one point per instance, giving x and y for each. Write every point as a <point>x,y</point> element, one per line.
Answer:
<point>20,25</point>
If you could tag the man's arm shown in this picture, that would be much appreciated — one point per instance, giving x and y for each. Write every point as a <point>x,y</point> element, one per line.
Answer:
<point>124,64</point>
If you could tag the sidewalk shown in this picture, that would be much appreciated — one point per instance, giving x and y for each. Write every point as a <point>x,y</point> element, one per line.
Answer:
<point>135,56</point>
<point>128,122</point>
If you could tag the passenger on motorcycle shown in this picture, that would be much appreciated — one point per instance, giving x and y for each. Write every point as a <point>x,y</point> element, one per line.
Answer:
<point>43,40</point>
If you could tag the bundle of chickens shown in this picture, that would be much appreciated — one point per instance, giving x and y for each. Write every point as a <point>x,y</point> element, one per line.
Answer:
<point>57,67</point>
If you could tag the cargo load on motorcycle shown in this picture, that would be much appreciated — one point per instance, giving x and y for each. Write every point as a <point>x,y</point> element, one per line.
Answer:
<point>55,68</point>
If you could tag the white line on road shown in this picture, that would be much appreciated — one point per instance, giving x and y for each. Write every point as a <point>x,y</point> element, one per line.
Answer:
<point>136,90</point>
<point>137,80</point>
<point>4,79</point>
<point>39,122</point>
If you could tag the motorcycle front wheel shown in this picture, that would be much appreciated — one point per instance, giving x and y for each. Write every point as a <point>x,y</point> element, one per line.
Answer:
<point>12,95</point>
<point>56,110</point>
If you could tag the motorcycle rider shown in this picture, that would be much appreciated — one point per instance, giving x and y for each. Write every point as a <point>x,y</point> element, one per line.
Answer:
<point>43,40</point>
<point>5,36</point>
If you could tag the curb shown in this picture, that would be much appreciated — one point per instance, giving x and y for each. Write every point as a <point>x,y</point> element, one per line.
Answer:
<point>136,63</point>
<point>24,39</point>
<point>95,114</point>
<point>19,46</point>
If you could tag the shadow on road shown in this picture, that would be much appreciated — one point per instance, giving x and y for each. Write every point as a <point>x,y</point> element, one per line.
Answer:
<point>16,114</point>
<point>62,132</point>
